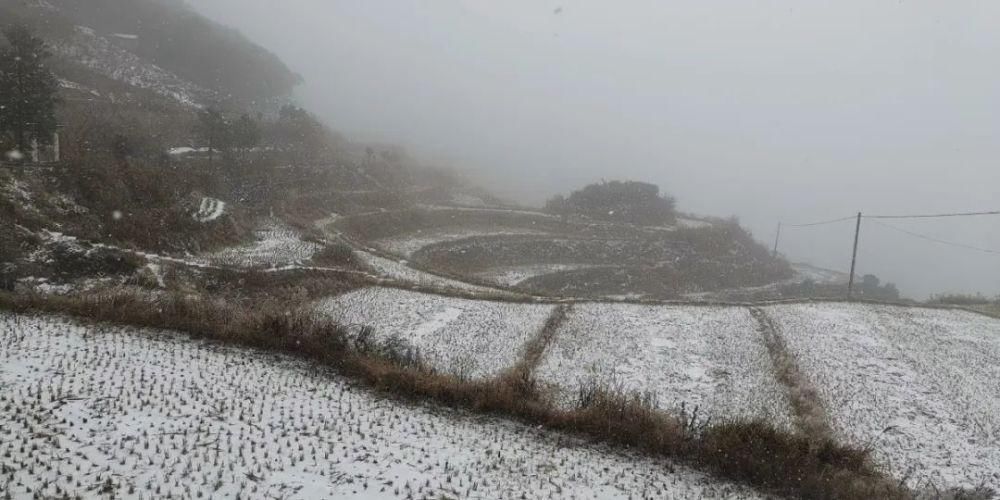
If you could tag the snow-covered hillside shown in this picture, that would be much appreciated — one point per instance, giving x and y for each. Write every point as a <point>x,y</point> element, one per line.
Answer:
<point>99,53</point>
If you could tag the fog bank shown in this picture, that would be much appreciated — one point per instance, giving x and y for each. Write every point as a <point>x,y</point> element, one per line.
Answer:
<point>771,111</point>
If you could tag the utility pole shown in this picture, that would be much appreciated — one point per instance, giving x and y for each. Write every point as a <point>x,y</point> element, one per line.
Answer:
<point>776,237</point>
<point>854,257</point>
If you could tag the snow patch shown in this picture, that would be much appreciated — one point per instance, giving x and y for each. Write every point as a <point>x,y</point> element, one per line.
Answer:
<point>709,358</point>
<point>920,386</point>
<point>476,338</point>
<point>209,209</point>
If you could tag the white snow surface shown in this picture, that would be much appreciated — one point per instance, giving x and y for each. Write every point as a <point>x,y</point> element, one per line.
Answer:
<point>474,338</point>
<point>921,386</point>
<point>209,209</point>
<point>818,274</point>
<point>275,245</point>
<point>102,411</point>
<point>186,150</point>
<point>406,244</point>
<point>514,275</point>
<point>401,271</point>
<point>692,223</point>
<point>710,358</point>
<point>467,200</point>
<point>100,54</point>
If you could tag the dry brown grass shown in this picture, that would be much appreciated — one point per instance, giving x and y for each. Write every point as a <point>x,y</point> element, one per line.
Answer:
<point>336,255</point>
<point>798,466</point>
<point>810,415</point>
<point>536,347</point>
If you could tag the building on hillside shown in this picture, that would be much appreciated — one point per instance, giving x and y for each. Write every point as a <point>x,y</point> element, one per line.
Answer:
<point>126,41</point>
<point>41,153</point>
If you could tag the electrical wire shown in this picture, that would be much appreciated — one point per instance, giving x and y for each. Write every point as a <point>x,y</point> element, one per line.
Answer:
<point>937,240</point>
<point>932,216</point>
<point>820,223</point>
<point>911,216</point>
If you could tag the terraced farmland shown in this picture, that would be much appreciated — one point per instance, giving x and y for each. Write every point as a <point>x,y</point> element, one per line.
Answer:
<point>274,245</point>
<point>103,411</point>
<point>920,386</point>
<point>707,358</point>
<point>474,338</point>
<point>543,254</point>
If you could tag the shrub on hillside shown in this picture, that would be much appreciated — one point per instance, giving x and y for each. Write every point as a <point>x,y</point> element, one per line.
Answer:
<point>335,255</point>
<point>961,299</point>
<point>628,201</point>
<point>70,262</point>
<point>145,206</point>
<point>871,288</point>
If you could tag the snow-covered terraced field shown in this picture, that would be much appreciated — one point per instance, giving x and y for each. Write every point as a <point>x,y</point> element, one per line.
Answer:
<point>406,244</point>
<point>209,209</point>
<point>513,275</point>
<point>712,358</point>
<point>400,271</point>
<point>475,338</point>
<point>921,386</point>
<point>112,412</point>
<point>275,245</point>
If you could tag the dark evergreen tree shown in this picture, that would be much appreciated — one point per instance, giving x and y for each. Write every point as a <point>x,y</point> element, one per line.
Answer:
<point>300,134</point>
<point>629,201</point>
<point>245,133</point>
<point>27,89</point>
<point>214,131</point>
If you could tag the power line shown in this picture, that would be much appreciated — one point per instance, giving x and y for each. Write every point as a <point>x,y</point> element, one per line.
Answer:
<point>820,223</point>
<point>857,233</point>
<point>911,216</point>
<point>933,216</point>
<point>937,240</point>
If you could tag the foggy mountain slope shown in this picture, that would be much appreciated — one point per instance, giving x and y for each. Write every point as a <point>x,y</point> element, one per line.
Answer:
<point>135,57</point>
<point>784,112</point>
<point>329,318</point>
<point>139,173</point>
<point>139,50</point>
<point>158,44</point>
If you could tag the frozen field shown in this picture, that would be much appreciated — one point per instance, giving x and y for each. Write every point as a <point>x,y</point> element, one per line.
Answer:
<point>921,386</point>
<point>406,244</point>
<point>275,245</point>
<point>711,358</point>
<point>513,275</point>
<point>476,338</point>
<point>400,271</point>
<point>101,412</point>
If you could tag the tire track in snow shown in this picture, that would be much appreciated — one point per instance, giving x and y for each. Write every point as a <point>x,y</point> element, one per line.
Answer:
<point>810,416</point>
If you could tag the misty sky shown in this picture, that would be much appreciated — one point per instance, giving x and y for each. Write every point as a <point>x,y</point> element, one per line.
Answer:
<point>793,111</point>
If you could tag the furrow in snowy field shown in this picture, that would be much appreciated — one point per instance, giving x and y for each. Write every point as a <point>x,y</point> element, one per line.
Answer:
<point>920,386</point>
<point>476,338</point>
<point>114,411</point>
<point>710,358</point>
